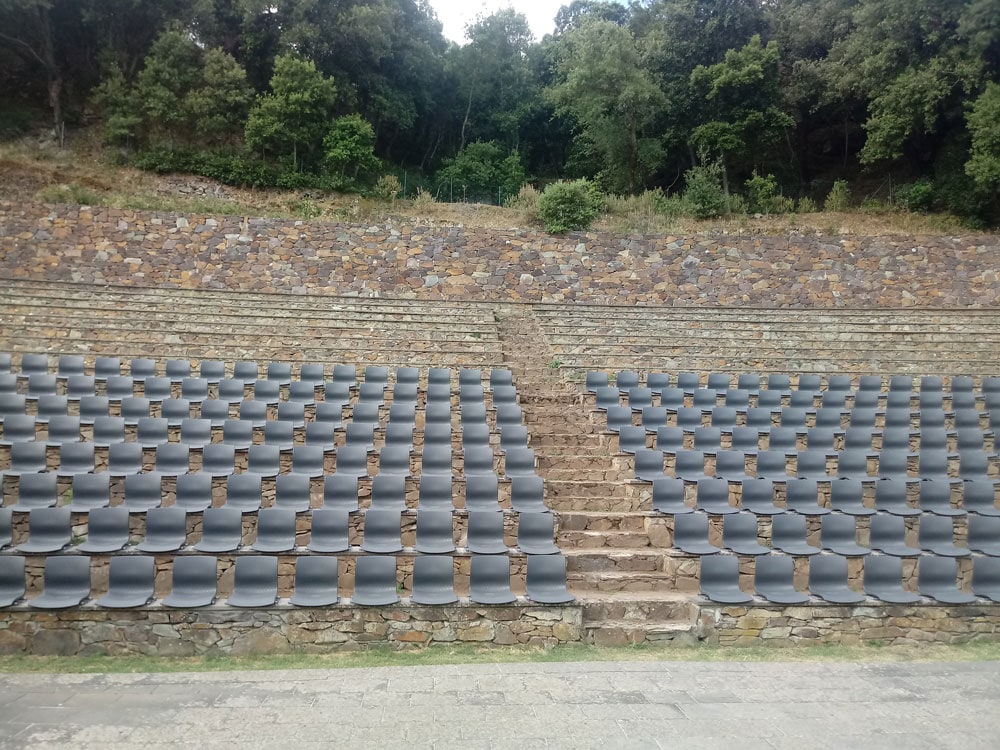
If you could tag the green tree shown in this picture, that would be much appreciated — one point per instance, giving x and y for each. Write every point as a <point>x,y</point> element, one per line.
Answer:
<point>984,127</point>
<point>217,105</point>
<point>350,147</point>
<point>607,91</point>
<point>743,98</point>
<point>483,171</point>
<point>294,117</point>
<point>171,70</point>
<point>117,102</point>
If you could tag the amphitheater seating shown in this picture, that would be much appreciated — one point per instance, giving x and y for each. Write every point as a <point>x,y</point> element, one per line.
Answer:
<point>871,469</point>
<point>306,462</point>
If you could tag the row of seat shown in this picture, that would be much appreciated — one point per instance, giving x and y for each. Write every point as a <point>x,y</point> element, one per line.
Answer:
<point>276,530</point>
<point>626,380</point>
<point>194,493</point>
<point>803,496</point>
<point>828,580</point>
<point>175,370</point>
<point>736,466</point>
<point>194,582</point>
<point>838,534</point>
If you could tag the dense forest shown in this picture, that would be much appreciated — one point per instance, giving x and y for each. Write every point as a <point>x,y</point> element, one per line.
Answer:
<point>773,99</point>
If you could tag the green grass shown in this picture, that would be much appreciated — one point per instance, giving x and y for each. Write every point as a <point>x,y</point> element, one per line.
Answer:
<point>469,654</point>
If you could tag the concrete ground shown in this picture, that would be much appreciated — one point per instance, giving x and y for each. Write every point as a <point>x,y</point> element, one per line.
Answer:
<point>520,706</point>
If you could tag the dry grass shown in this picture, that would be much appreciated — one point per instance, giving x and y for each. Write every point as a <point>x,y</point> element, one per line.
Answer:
<point>82,175</point>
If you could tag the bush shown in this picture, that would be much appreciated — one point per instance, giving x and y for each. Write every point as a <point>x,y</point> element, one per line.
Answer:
<point>782,205</point>
<point>703,190</point>
<point>525,200</point>
<point>387,187</point>
<point>839,198</point>
<point>807,206</point>
<point>738,204</point>
<point>761,192</point>
<point>917,196</point>
<point>564,206</point>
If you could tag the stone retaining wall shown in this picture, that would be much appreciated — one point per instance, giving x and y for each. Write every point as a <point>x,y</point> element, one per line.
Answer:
<point>281,629</point>
<point>772,625</point>
<point>115,246</point>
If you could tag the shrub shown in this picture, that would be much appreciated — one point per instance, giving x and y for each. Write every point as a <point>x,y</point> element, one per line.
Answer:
<point>738,204</point>
<point>917,196</point>
<point>807,206</point>
<point>387,187</point>
<point>525,200</point>
<point>761,192</point>
<point>564,206</point>
<point>782,205</point>
<point>839,198</point>
<point>703,190</point>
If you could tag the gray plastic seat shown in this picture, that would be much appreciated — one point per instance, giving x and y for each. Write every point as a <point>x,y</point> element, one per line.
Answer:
<point>739,534</point>
<point>49,530</point>
<point>51,405</point>
<point>774,580</point>
<point>594,380</point>
<point>482,492</point>
<point>514,436</point>
<point>157,390</point>
<point>847,496</point>
<point>894,465</point>
<point>340,491</point>
<point>473,413</point>
<point>230,391</point>
<point>222,530</point>
<point>382,531</point>
<point>244,493</point>
<point>937,534</point>
<point>315,582</point>
<point>130,582</point>
<point>719,580</point>
<point>292,492</point>
<point>172,459</point>
<point>237,433</point>
<point>439,395</point>
<point>11,580</point>
<point>37,491</point>
<point>761,418</point>
<point>713,497</point>
<point>888,535</point>
<point>546,579</point>
<point>63,430</point>
<point>403,412</point>
<point>736,398</point>
<point>124,459</point>
<point>279,434</point>
<point>838,533</point>
<point>352,460</point>
<point>688,465</point>
<point>788,534</point>
<point>772,465</point>
<point>247,372</point>
<point>134,408</point>
<point>979,496</point>
<point>366,412</point>
<point>41,385</point>
<point>411,375</point>
<point>142,492</point>
<point>985,578</point>
<point>254,412</point>
<point>937,577</point>
<point>435,492</point>
<point>308,461</point>
<point>105,367</point>
<point>489,579</point>
<point>6,527</point>
<point>745,439</point>
<point>862,416</point>
<point>527,495</point>
<point>707,439</point>
<point>267,392</point>
<point>166,530</point>
<point>504,394</point>
<point>194,582</point>
<point>90,491</point>
<point>974,466</point>
<point>890,497</point>
<point>66,582</point>
<point>984,535</point>
<point>691,534</point>
<point>118,387</point>
<point>669,439</point>
<point>812,464</point>
<point>193,492</point>
<point>434,532</point>
<point>485,533</point>
<point>215,412</point>
<point>828,580</point>
<point>107,430</point>
<point>196,433</point>
<point>883,579</point>
<point>648,464</point>
<point>16,403</point>
<point>255,582</point>
<point>324,436</point>
<point>218,460</point>
<point>293,413</point>
<point>535,534</point>
<point>375,581</point>
<point>478,461</point>
<point>802,496</point>
<point>329,530</point>
<point>853,465</point>
<point>935,497</point>
<point>689,382</point>
<point>605,397</point>
<point>212,370</point>
<point>653,417</point>
<point>757,496</point>
<point>18,428</point>
<point>433,580</point>
<point>151,432</point>
<point>471,395</point>
<point>689,417</point>
<point>107,530</point>
<point>275,530</point>
<point>389,492</point>
<point>435,459</point>
<point>394,460</point>
<point>345,375</point>
<point>26,458</point>
<point>263,460</point>
<point>672,398</point>
<point>175,369</point>
<point>730,465</point>
<point>639,398</point>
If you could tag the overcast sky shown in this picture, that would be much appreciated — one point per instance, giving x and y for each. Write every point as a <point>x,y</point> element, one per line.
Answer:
<point>455,14</point>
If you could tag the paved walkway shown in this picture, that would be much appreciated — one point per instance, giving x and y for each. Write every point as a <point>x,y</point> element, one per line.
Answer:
<point>587,705</point>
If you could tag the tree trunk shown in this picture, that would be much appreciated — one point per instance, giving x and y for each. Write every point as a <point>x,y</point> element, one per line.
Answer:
<point>465,120</point>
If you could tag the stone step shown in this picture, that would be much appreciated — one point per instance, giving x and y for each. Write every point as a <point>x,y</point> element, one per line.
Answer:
<point>602,540</point>
<point>631,581</point>
<point>615,633</point>
<point>639,608</point>
<point>637,560</point>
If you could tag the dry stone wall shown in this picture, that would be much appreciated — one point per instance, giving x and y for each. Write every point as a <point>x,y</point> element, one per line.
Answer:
<point>115,246</point>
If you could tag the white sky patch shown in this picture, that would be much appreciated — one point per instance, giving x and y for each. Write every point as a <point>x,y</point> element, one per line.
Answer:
<point>455,15</point>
